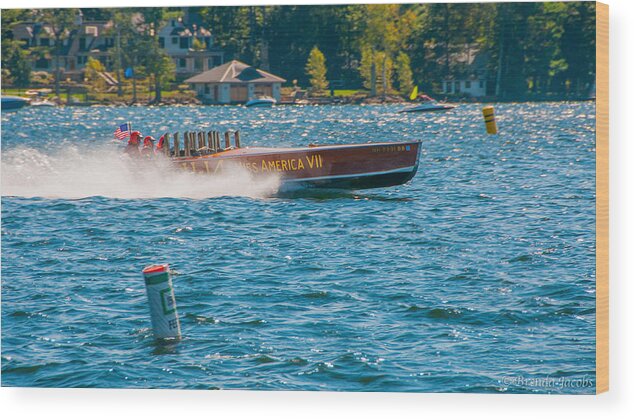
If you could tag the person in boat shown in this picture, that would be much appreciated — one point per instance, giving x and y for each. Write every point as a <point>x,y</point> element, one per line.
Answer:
<point>160,145</point>
<point>148,147</point>
<point>132,148</point>
<point>425,98</point>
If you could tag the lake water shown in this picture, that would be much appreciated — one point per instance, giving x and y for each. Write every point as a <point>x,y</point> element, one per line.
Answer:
<point>477,276</point>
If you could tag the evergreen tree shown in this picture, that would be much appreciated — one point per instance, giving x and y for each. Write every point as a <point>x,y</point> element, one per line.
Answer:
<point>16,68</point>
<point>316,69</point>
<point>404,73</point>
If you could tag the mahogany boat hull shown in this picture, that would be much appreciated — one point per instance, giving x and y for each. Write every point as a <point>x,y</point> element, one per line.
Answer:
<point>357,166</point>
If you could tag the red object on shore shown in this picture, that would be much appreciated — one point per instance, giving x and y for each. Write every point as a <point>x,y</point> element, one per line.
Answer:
<point>355,166</point>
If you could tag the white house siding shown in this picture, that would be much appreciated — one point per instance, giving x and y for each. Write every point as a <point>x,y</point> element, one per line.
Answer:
<point>192,65</point>
<point>474,88</point>
<point>206,91</point>
<point>225,93</point>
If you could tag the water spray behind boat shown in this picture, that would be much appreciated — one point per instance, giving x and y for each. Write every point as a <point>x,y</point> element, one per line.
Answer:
<point>76,172</point>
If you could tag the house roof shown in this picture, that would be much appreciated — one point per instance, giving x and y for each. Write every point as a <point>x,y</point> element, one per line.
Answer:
<point>235,72</point>
<point>28,30</point>
<point>468,63</point>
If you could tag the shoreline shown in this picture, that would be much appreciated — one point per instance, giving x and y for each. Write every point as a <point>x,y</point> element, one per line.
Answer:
<point>184,98</point>
<point>309,103</point>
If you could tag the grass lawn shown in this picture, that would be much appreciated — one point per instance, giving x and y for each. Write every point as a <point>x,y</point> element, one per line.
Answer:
<point>349,92</point>
<point>14,92</point>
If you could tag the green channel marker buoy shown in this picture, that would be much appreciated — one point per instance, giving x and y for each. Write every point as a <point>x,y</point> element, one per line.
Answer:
<point>160,294</point>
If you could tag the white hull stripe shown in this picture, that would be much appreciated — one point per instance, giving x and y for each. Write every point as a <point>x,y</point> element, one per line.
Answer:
<point>361,175</point>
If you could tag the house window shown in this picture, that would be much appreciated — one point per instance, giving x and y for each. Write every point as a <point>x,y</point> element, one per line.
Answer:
<point>467,84</point>
<point>184,43</point>
<point>456,86</point>
<point>161,42</point>
<point>42,63</point>
<point>45,42</point>
<point>173,22</point>
<point>217,60</point>
<point>182,63</point>
<point>481,84</point>
<point>82,44</point>
<point>198,63</point>
<point>174,40</point>
<point>207,90</point>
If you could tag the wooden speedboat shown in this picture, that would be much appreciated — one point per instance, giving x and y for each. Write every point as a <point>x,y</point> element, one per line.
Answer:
<point>347,166</point>
<point>354,166</point>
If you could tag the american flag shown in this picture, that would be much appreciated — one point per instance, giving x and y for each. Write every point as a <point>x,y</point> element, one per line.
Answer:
<point>122,131</point>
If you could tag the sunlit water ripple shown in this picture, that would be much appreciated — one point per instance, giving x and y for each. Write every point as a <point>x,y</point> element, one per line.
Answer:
<point>480,269</point>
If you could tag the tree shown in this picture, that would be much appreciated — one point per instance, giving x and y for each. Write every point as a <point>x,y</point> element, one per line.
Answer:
<point>16,68</point>
<point>404,73</point>
<point>154,58</point>
<point>93,69</point>
<point>316,69</point>
<point>198,45</point>
<point>61,22</point>
<point>367,69</point>
<point>123,31</point>
<point>387,31</point>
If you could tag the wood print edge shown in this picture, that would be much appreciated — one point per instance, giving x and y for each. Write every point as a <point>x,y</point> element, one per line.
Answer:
<point>602,198</point>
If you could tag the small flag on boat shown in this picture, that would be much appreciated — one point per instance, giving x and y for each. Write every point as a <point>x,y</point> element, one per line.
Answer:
<point>122,131</point>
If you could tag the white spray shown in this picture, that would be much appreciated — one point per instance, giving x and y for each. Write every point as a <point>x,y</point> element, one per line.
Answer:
<point>75,172</point>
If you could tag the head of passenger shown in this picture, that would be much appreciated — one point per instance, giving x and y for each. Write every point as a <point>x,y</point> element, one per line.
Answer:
<point>134,137</point>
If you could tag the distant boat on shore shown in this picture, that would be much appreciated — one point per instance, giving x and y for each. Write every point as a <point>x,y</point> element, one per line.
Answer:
<point>44,103</point>
<point>261,102</point>
<point>428,104</point>
<point>13,102</point>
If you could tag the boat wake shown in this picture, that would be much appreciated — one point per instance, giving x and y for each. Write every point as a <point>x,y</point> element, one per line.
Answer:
<point>78,173</point>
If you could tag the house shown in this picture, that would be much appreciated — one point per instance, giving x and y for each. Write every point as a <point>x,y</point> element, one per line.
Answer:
<point>235,82</point>
<point>91,39</point>
<point>190,46</point>
<point>469,73</point>
<point>88,39</point>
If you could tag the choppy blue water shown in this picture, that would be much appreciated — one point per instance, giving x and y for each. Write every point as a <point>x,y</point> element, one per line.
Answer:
<point>477,276</point>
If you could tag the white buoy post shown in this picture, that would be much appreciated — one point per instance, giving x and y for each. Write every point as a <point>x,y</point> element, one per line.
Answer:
<point>160,294</point>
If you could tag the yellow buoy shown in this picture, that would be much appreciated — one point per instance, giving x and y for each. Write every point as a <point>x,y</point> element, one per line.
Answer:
<point>489,120</point>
